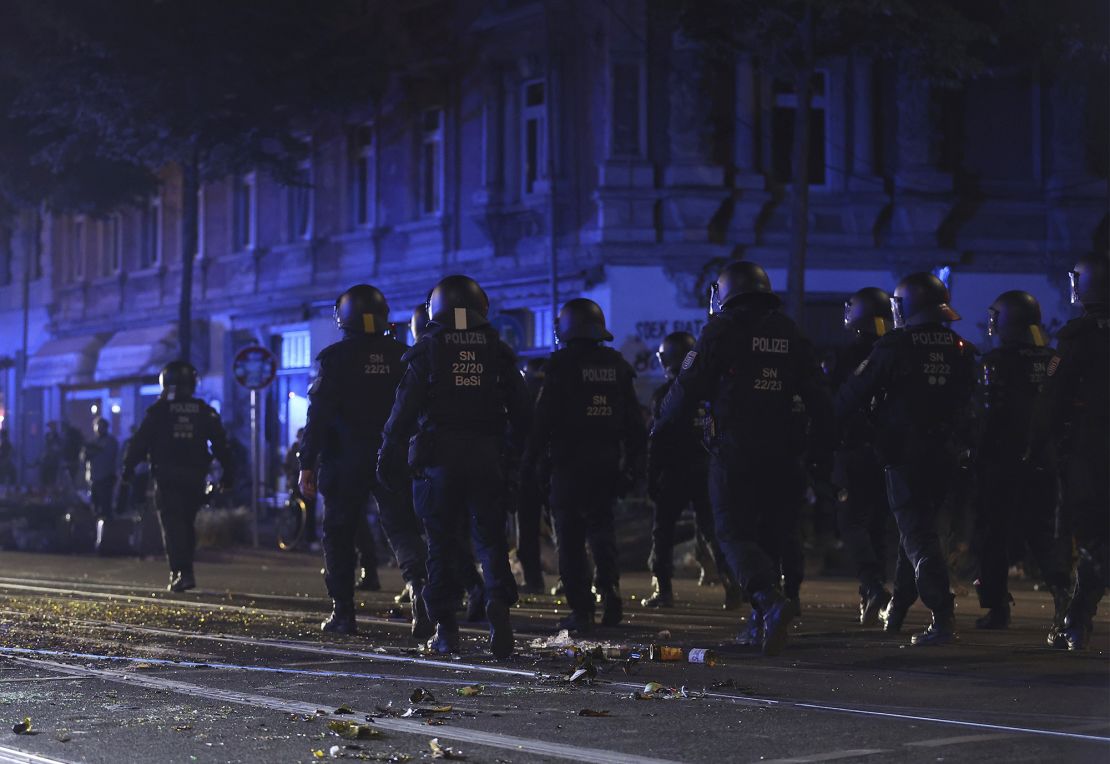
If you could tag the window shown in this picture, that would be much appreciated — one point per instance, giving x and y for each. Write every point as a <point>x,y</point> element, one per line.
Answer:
<point>242,213</point>
<point>782,131</point>
<point>533,139</point>
<point>110,245</point>
<point>431,162</point>
<point>296,349</point>
<point>150,234</point>
<point>77,250</point>
<point>6,255</point>
<point>298,199</point>
<point>363,177</point>
<point>626,109</point>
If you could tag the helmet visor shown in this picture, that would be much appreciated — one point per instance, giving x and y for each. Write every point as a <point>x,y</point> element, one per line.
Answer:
<point>992,322</point>
<point>1073,277</point>
<point>714,299</point>
<point>897,308</point>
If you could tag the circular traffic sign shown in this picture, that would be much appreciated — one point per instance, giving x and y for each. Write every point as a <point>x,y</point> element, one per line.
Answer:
<point>254,367</point>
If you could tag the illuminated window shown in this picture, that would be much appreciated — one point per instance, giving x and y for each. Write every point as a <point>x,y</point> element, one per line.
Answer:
<point>533,139</point>
<point>296,350</point>
<point>363,177</point>
<point>431,162</point>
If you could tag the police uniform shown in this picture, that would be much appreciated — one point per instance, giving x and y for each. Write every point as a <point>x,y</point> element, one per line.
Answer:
<point>749,363</point>
<point>176,435</point>
<point>862,507</point>
<point>1079,380</point>
<point>586,413</point>
<point>923,377</point>
<point>530,504</point>
<point>678,477</point>
<point>462,396</point>
<point>349,401</point>
<point>1017,496</point>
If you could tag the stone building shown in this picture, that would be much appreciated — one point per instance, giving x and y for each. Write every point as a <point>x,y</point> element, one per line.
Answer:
<point>594,151</point>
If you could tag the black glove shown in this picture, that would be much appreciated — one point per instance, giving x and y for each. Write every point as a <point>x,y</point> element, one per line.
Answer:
<point>393,468</point>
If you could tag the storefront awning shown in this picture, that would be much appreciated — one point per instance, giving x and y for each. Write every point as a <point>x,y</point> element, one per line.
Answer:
<point>137,353</point>
<point>66,361</point>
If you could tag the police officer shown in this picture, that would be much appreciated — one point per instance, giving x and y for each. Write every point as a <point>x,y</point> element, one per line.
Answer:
<point>1079,380</point>
<point>349,401</point>
<point>1017,497</point>
<point>588,419</point>
<point>678,477</point>
<point>464,399</point>
<point>180,434</point>
<point>533,490</point>
<point>923,375</point>
<point>862,505</point>
<point>749,363</point>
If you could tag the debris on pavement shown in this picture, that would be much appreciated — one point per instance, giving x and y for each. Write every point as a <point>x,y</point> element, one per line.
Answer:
<point>23,727</point>
<point>470,690</point>
<point>591,713</point>
<point>440,751</point>
<point>353,730</point>
<point>420,695</point>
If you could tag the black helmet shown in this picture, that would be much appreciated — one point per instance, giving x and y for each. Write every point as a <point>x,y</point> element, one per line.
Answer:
<point>1090,281</point>
<point>673,350</point>
<point>362,308</point>
<point>458,302</point>
<point>921,298</point>
<point>868,312</point>
<point>418,325</point>
<point>581,319</point>
<point>178,380</point>
<point>737,279</point>
<point>1015,316</point>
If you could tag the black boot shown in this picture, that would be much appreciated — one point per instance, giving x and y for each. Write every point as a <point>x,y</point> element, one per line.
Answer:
<point>1061,598</point>
<point>871,603</point>
<point>182,581</point>
<point>940,632</point>
<point>578,622</point>
<point>751,634</point>
<point>475,604</point>
<point>422,626</point>
<point>612,608</point>
<point>405,597</point>
<point>777,614</point>
<point>558,590</point>
<point>663,596</point>
<point>368,580</point>
<point>500,630</point>
<point>734,597</point>
<point>445,640</point>
<point>995,618</point>
<point>893,616</point>
<point>342,619</point>
<point>533,583</point>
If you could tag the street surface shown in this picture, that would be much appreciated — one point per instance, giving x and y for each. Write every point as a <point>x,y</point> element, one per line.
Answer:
<point>110,667</point>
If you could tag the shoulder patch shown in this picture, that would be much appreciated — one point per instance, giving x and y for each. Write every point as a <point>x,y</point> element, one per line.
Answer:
<point>1053,365</point>
<point>688,361</point>
<point>861,367</point>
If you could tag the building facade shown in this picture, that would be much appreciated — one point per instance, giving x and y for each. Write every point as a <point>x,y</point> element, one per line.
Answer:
<point>590,154</point>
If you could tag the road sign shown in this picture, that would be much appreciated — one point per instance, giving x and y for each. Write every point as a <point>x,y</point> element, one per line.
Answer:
<point>254,367</point>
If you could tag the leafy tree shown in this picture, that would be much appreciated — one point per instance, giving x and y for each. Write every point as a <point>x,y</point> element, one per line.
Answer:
<point>96,90</point>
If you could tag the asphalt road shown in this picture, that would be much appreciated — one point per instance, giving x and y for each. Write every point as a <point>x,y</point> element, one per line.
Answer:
<point>109,667</point>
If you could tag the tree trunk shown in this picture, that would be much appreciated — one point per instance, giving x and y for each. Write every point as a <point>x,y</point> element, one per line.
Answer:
<point>799,213</point>
<point>190,224</point>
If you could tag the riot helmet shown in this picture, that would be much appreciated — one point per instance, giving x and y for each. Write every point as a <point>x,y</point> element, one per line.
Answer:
<point>921,298</point>
<point>673,351</point>
<point>418,325</point>
<point>581,319</point>
<point>362,308</point>
<point>1090,281</point>
<point>1015,316</point>
<point>178,380</point>
<point>458,302</point>
<point>868,312</point>
<point>738,279</point>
